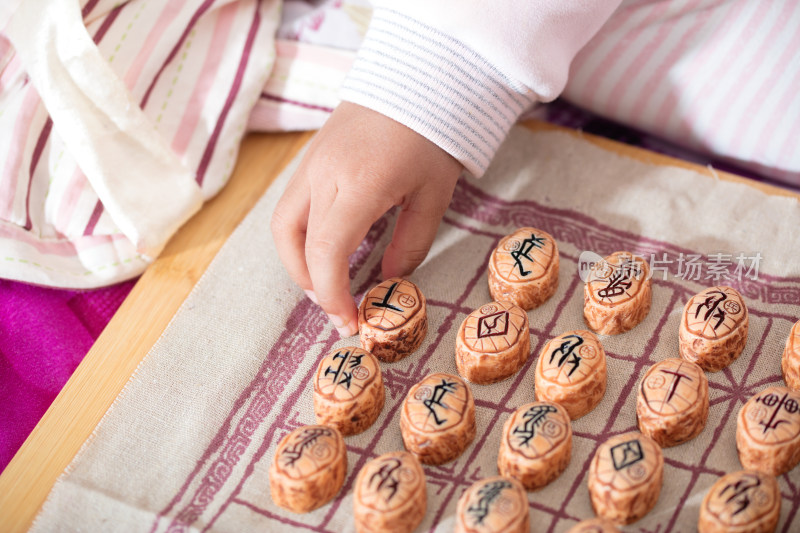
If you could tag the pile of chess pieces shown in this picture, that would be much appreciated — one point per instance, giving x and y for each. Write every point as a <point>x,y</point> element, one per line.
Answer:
<point>438,414</point>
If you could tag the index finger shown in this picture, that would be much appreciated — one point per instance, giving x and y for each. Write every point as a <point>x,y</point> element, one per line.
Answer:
<point>288,223</point>
<point>334,232</point>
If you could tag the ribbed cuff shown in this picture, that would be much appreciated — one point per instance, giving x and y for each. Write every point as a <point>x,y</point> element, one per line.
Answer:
<point>436,86</point>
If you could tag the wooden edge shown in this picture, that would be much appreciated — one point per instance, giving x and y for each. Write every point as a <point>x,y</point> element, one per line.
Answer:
<point>646,156</point>
<point>139,322</point>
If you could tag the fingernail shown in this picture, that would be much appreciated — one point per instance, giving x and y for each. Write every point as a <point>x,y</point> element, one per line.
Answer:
<point>345,329</point>
<point>312,296</point>
<point>338,322</point>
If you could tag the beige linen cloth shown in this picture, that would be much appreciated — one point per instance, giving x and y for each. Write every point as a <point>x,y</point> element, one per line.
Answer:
<point>187,445</point>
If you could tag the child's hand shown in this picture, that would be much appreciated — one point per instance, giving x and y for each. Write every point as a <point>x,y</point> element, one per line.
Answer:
<point>358,166</point>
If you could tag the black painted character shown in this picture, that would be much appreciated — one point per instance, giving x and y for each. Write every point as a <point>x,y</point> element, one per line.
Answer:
<point>486,495</point>
<point>677,379</point>
<point>567,351</point>
<point>533,418</point>
<point>436,399</point>
<point>626,454</point>
<point>524,250</point>
<point>713,307</point>
<point>293,453</point>
<point>739,493</point>
<point>340,374</point>
<point>620,280</point>
<point>385,302</point>
<point>771,400</point>
<point>385,478</point>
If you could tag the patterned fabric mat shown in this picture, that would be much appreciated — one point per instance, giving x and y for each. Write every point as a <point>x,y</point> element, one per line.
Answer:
<point>188,443</point>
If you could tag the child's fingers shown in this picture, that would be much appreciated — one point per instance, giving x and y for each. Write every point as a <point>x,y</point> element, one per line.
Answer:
<point>334,232</point>
<point>414,233</point>
<point>288,224</point>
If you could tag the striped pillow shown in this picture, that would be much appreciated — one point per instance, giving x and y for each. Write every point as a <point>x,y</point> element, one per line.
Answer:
<point>720,77</point>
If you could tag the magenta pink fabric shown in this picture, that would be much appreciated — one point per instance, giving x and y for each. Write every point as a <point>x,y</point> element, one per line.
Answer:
<point>44,334</point>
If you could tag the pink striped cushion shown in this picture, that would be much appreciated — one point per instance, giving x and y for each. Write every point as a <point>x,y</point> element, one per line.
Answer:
<point>721,77</point>
<point>196,68</point>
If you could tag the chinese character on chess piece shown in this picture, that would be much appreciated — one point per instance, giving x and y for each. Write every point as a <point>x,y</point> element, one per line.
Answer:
<point>308,468</point>
<point>571,371</point>
<point>392,319</point>
<point>625,477</point>
<point>437,421</point>
<point>523,268</point>
<point>348,390</point>
<point>747,501</point>
<point>672,402</point>
<point>492,343</point>
<point>390,494</point>
<point>616,296</point>
<point>768,431</point>
<point>790,360</point>
<point>713,330</point>
<point>536,445</point>
<point>493,504</point>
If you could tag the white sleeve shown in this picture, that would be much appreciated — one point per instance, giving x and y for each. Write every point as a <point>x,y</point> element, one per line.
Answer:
<point>460,73</point>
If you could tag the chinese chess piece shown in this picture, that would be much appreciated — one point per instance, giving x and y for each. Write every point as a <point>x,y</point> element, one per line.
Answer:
<point>594,525</point>
<point>571,371</point>
<point>616,296</point>
<point>348,390</point>
<point>768,431</point>
<point>437,422</point>
<point>790,361</point>
<point>308,468</point>
<point>625,477</point>
<point>392,319</point>
<point>672,402</point>
<point>523,269</point>
<point>390,494</point>
<point>741,502</point>
<point>494,504</point>
<point>492,343</point>
<point>536,445</point>
<point>713,328</point>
